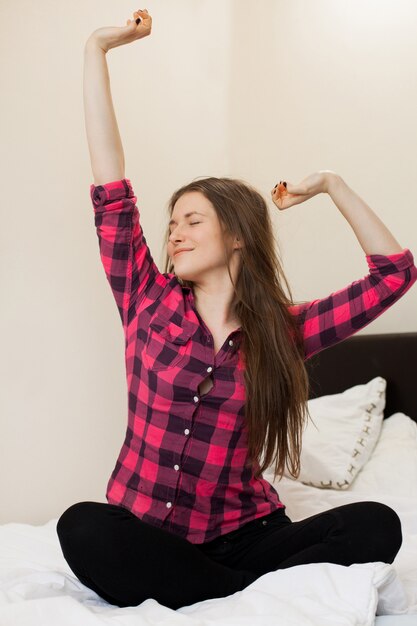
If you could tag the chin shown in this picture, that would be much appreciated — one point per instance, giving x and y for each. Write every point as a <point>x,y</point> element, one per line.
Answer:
<point>191,276</point>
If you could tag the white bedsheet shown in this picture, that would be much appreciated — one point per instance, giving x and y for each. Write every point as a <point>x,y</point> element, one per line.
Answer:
<point>37,587</point>
<point>302,501</point>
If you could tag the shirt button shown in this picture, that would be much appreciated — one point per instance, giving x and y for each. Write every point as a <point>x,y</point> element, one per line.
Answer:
<point>209,369</point>
<point>264,522</point>
<point>195,398</point>
<point>231,342</point>
<point>186,431</point>
<point>176,467</point>
<point>169,505</point>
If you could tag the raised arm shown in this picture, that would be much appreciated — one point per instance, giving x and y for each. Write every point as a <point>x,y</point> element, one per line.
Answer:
<point>104,143</point>
<point>392,271</point>
<point>126,258</point>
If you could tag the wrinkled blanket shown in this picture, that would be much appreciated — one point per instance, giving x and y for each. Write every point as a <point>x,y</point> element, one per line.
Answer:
<point>37,587</point>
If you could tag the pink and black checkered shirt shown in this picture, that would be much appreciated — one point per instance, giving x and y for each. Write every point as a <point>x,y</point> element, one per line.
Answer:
<point>181,466</point>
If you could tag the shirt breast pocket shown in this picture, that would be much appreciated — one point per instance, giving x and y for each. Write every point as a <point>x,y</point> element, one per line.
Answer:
<point>167,344</point>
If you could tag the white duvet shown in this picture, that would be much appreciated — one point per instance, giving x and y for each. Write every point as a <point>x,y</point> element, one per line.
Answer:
<point>37,587</point>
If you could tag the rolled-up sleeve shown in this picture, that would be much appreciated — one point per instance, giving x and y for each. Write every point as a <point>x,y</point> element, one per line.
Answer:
<point>324,322</point>
<point>125,255</point>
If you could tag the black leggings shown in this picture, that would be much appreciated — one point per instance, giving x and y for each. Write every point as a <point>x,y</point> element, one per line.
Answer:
<point>126,561</point>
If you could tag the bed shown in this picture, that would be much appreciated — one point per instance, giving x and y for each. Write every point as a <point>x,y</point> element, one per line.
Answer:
<point>360,358</point>
<point>38,587</point>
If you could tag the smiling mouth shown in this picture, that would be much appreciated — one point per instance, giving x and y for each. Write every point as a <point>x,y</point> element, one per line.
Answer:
<point>181,252</point>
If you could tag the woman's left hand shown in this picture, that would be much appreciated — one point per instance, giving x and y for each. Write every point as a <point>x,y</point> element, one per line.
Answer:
<point>285,194</point>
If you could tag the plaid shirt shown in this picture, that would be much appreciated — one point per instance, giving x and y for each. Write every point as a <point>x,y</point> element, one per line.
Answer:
<point>181,464</point>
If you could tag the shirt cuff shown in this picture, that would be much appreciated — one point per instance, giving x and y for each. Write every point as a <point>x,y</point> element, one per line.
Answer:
<point>401,260</point>
<point>107,193</point>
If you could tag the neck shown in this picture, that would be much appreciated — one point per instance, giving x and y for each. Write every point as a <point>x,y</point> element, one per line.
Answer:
<point>215,301</point>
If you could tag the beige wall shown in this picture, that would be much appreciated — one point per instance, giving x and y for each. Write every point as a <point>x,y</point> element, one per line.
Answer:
<point>264,91</point>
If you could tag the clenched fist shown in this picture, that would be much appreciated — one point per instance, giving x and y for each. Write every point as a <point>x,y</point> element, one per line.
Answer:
<point>285,195</point>
<point>113,36</point>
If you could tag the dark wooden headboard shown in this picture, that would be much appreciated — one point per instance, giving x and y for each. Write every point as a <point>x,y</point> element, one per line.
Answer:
<point>360,358</point>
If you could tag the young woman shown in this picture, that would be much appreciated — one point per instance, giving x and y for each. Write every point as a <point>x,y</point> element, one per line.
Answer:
<point>215,363</point>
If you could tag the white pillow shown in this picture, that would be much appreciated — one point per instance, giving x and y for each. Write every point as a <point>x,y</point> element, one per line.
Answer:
<point>392,468</point>
<point>340,439</point>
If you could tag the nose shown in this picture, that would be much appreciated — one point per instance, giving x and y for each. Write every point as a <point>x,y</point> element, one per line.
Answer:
<point>173,236</point>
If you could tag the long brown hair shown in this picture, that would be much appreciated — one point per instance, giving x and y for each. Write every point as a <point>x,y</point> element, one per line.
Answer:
<point>276,380</point>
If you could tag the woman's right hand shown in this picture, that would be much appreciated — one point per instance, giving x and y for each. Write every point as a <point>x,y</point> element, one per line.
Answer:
<point>113,36</point>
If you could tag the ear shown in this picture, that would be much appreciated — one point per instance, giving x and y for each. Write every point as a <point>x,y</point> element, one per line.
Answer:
<point>237,244</point>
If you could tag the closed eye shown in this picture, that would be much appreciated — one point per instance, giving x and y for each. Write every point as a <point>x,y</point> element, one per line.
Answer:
<point>191,224</point>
